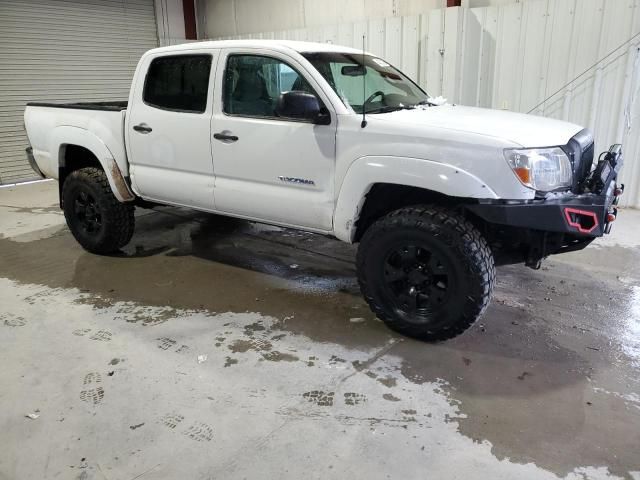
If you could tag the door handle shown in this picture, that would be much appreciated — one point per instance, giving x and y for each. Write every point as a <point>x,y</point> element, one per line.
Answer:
<point>223,137</point>
<point>142,128</point>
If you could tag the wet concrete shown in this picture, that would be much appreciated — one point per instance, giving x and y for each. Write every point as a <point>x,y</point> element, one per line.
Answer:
<point>299,375</point>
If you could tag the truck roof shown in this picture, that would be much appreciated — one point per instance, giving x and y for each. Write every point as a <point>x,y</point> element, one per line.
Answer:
<point>300,47</point>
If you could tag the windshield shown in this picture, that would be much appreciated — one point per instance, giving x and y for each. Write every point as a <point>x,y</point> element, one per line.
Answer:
<point>385,88</point>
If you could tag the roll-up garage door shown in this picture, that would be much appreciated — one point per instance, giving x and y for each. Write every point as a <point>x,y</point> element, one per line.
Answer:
<point>64,50</point>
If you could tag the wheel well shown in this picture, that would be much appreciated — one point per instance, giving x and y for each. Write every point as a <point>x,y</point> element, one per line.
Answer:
<point>72,158</point>
<point>75,157</point>
<point>384,198</point>
<point>508,244</point>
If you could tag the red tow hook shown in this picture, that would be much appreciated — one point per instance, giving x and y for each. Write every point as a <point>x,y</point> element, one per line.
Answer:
<point>584,221</point>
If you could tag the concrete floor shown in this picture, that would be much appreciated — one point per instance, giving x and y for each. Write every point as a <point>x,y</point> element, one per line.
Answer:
<point>296,377</point>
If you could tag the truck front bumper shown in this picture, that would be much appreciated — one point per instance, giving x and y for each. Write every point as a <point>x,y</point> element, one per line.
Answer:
<point>587,215</point>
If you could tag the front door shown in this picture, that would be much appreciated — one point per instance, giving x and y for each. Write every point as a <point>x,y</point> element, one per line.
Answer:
<point>269,168</point>
<point>169,130</point>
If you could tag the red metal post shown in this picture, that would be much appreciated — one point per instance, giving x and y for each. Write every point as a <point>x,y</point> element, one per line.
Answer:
<point>189,11</point>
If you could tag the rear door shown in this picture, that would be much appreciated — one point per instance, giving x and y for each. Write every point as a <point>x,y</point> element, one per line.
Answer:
<point>269,168</point>
<point>168,129</point>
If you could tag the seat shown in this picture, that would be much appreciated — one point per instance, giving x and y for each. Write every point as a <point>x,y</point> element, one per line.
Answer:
<point>250,95</point>
<point>302,85</point>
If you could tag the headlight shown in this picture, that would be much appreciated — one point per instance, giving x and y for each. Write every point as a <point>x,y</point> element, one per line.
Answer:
<point>543,169</point>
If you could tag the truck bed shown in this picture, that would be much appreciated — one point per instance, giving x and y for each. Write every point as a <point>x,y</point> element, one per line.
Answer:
<point>112,106</point>
<point>97,126</point>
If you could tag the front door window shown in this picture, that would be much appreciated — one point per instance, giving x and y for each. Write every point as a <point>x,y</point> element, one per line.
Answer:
<point>253,84</point>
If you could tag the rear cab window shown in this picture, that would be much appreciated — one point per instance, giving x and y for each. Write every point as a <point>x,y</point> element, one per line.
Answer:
<point>178,83</point>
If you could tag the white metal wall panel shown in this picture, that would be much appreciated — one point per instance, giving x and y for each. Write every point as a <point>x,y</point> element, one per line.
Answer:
<point>508,52</point>
<point>632,170</point>
<point>345,34</point>
<point>433,52</point>
<point>359,29</point>
<point>393,41</point>
<point>410,53</point>
<point>559,27</point>
<point>588,28</point>
<point>64,50</point>
<point>470,64</point>
<point>516,55</point>
<point>453,50</point>
<point>488,19</point>
<point>375,38</point>
<point>530,80</point>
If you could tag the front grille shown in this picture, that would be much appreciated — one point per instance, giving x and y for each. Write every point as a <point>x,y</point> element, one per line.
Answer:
<point>580,150</point>
<point>586,162</point>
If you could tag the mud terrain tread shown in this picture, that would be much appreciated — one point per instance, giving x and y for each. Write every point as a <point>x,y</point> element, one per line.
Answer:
<point>119,216</point>
<point>472,250</point>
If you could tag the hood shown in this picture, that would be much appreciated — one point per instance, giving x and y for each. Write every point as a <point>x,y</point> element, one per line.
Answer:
<point>524,130</point>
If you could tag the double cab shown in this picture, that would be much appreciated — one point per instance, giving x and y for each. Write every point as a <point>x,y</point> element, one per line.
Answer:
<point>333,140</point>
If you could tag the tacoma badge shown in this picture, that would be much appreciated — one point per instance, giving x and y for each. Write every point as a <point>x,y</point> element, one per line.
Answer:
<point>302,181</point>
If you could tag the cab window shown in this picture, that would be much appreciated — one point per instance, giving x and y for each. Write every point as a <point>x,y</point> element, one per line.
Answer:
<point>253,83</point>
<point>178,83</point>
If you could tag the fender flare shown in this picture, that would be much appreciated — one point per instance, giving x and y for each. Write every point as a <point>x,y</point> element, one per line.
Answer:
<point>413,172</point>
<point>68,135</point>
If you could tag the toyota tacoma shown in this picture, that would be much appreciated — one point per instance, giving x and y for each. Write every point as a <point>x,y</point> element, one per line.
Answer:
<point>336,141</point>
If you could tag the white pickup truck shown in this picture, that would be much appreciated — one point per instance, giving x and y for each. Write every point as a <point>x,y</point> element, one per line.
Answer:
<point>331,140</point>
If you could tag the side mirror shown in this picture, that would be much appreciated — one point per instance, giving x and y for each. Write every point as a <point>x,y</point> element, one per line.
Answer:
<point>298,105</point>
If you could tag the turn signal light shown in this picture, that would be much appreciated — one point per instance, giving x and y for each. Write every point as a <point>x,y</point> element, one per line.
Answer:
<point>611,217</point>
<point>524,174</point>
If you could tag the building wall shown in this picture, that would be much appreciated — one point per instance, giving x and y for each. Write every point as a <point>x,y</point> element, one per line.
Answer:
<point>238,17</point>
<point>488,3</point>
<point>170,20</point>
<point>234,17</point>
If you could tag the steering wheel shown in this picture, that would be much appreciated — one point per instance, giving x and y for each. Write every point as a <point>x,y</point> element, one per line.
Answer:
<point>379,93</point>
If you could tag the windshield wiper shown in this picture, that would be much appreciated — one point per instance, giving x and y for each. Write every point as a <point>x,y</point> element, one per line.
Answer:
<point>433,102</point>
<point>389,109</point>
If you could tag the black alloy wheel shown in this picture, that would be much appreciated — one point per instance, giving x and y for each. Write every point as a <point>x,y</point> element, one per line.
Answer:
<point>97,220</point>
<point>87,212</point>
<point>426,272</point>
<point>419,279</point>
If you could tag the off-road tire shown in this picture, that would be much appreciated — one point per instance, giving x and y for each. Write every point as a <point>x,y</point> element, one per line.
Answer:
<point>442,237</point>
<point>116,219</point>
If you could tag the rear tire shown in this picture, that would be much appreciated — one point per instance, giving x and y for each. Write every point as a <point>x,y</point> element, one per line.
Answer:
<point>426,272</point>
<point>97,220</point>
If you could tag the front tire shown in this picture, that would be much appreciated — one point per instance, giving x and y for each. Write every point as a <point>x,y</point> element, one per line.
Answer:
<point>97,220</point>
<point>426,272</point>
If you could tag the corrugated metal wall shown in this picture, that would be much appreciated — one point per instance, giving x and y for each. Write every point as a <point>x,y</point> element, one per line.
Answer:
<point>64,50</point>
<point>515,56</point>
